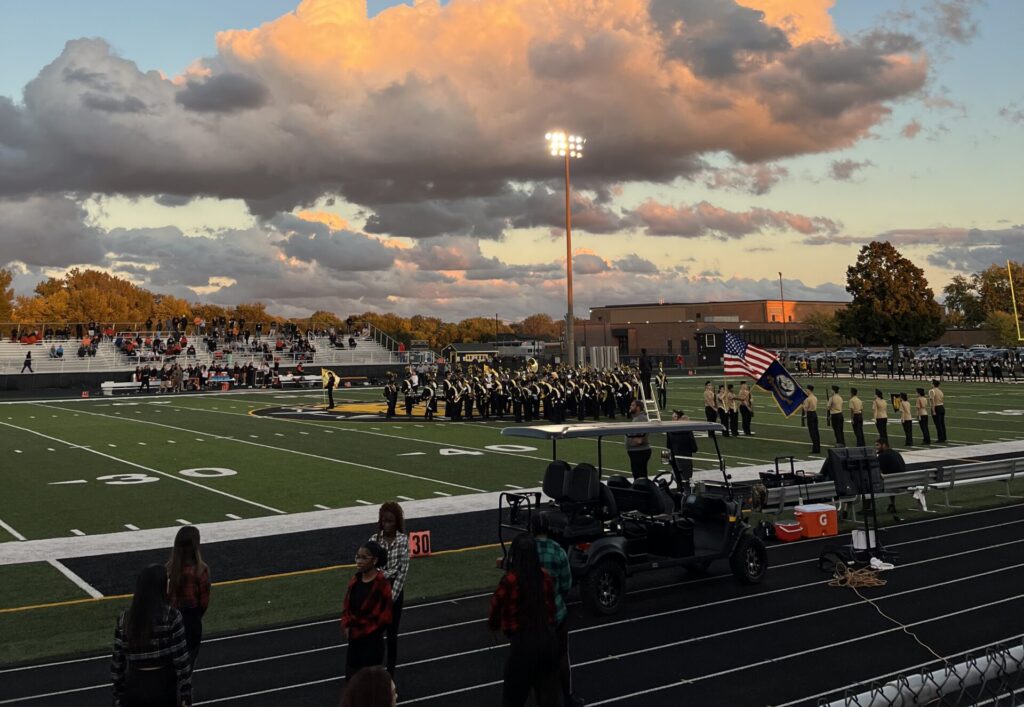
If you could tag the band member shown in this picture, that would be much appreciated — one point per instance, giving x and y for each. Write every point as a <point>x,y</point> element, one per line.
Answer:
<point>661,381</point>
<point>922,416</point>
<point>937,400</point>
<point>835,416</point>
<point>709,404</point>
<point>880,414</point>
<point>810,409</point>
<point>428,398</point>
<point>906,420</point>
<point>857,417</point>
<point>391,395</point>
<point>332,381</point>
<point>409,392</point>
<point>732,406</point>
<point>723,410</point>
<point>746,400</point>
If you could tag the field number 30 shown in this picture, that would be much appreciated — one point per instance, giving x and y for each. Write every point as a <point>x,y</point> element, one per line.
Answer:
<point>198,473</point>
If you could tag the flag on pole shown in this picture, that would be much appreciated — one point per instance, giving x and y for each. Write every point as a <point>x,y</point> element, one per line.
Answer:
<point>743,359</point>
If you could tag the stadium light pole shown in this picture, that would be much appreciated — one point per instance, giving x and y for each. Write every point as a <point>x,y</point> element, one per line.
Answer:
<point>785,334</point>
<point>567,147</point>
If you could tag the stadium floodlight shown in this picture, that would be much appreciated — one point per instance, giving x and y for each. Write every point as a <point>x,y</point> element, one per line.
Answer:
<point>567,147</point>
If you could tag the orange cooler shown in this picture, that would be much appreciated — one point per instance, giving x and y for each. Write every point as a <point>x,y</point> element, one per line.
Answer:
<point>817,519</point>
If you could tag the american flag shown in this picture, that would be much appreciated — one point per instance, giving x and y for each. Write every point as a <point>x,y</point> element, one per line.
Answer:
<point>743,359</point>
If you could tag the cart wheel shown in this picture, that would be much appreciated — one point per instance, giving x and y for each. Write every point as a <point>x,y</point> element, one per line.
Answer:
<point>603,587</point>
<point>749,560</point>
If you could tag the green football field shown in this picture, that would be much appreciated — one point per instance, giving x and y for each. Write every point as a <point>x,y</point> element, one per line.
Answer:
<point>86,467</point>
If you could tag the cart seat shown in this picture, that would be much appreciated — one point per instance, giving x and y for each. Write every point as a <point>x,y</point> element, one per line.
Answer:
<point>583,501</point>
<point>704,508</point>
<point>642,495</point>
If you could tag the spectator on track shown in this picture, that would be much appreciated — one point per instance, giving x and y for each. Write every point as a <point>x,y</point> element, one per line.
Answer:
<point>150,665</point>
<point>371,687</point>
<point>392,537</point>
<point>188,586</point>
<point>367,610</point>
<point>523,607</point>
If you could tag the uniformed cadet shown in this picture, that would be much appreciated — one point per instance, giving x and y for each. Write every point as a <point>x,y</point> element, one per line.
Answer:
<point>835,416</point>
<point>428,398</point>
<point>907,420</point>
<point>409,392</point>
<point>709,404</point>
<point>746,407</point>
<point>922,416</point>
<point>810,408</point>
<point>857,417</point>
<point>937,400</point>
<point>733,406</point>
<point>661,380</point>
<point>880,414</point>
<point>723,410</point>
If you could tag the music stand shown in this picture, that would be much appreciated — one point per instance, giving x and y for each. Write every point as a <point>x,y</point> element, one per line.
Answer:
<point>855,471</point>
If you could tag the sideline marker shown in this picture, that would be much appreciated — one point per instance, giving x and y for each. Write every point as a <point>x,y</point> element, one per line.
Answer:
<point>419,543</point>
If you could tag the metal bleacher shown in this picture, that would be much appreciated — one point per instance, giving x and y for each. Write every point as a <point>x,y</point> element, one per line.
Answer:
<point>372,348</point>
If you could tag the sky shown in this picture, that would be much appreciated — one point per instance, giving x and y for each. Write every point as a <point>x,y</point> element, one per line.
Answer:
<point>349,156</point>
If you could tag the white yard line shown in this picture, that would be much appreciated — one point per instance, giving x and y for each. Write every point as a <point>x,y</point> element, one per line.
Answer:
<point>79,582</point>
<point>146,468</point>
<point>11,530</point>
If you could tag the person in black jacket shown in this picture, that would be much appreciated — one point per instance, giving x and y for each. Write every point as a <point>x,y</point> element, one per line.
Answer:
<point>682,446</point>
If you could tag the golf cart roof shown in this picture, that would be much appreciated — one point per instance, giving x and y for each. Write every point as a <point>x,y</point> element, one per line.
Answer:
<point>605,429</point>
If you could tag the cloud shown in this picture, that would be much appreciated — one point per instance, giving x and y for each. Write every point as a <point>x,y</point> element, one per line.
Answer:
<point>448,103</point>
<point>954,19</point>
<point>341,251</point>
<point>754,179</point>
<point>172,200</point>
<point>845,170</point>
<point>911,129</point>
<point>976,249</point>
<point>589,264</point>
<point>634,263</point>
<point>1013,113</point>
<point>705,219</point>
<point>47,231</point>
<point>224,93</point>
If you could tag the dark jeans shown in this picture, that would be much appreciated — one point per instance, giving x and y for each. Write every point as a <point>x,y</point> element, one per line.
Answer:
<point>723,417</point>
<point>908,430</point>
<point>925,435</point>
<point>391,632</point>
<point>532,665</point>
<point>940,422</point>
<point>151,688</point>
<point>857,422</point>
<point>364,652</point>
<point>711,415</point>
<point>812,430</point>
<point>638,463</point>
<point>882,425</point>
<point>837,428</point>
<point>193,620</point>
<point>746,415</point>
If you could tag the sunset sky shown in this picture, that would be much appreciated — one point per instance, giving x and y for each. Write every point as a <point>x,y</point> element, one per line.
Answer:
<point>345,155</point>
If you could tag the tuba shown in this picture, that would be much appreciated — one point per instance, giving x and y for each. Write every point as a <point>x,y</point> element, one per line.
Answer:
<point>531,365</point>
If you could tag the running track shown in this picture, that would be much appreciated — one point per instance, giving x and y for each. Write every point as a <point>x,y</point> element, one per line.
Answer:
<point>959,584</point>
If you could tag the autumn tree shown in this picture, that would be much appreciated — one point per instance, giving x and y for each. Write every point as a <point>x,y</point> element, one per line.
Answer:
<point>6,295</point>
<point>963,306</point>
<point>993,287</point>
<point>823,329</point>
<point>538,326</point>
<point>1004,328</point>
<point>892,303</point>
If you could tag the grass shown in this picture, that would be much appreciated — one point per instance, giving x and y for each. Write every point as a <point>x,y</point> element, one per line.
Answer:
<point>151,462</point>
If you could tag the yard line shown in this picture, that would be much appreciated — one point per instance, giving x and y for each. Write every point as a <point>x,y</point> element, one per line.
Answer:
<point>64,483</point>
<point>17,451</point>
<point>232,516</point>
<point>441,493</point>
<point>76,531</point>
<point>142,444</point>
<point>11,530</point>
<point>365,503</point>
<point>146,468</point>
<point>79,582</point>
<point>130,526</point>
<point>513,486</point>
<point>405,498</point>
<point>321,506</point>
<point>50,449</point>
<point>267,446</point>
<point>182,521</point>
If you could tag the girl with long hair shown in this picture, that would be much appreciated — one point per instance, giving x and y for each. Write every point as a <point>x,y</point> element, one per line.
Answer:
<point>188,586</point>
<point>367,610</point>
<point>150,662</point>
<point>392,537</point>
<point>523,606</point>
<point>371,687</point>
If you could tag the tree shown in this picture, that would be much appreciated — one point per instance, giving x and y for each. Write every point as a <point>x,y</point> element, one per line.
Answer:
<point>538,326</point>
<point>1004,328</point>
<point>892,303</point>
<point>6,295</point>
<point>823,328</point>
<point>963,306</point>
<point>993,287</point>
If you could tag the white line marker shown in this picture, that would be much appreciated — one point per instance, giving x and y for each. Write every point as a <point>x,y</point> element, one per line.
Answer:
<point>255,436</point>
<point>62,483</point>
<point>330,432</point>
<point>182,521</point>
<point>142,444</point>
<point>441,493</point>
<point>512,486</point>
<point>232,516</point>
<point>365,503</point>
<point>321,506</point>
<point>11,530</point>
<point>417,425</point>
<point>171,441</point>
<point>303,433</point>
<point>76,531</point>
<point>53,416</point>
<point>199,439</point>
<point>375,428</point>
<point>412,454</point>
<point>130,526</point>
<point>111,445</point>
<point>79,582</point>
<point>405,498</point>
<point>17,451</point>
<point>278,434</point>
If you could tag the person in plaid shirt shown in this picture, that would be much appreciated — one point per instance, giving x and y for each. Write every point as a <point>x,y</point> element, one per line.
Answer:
<point>523,606</point>
<point>188,587</point>
<point>392,537</point>
<point>367,610</point>
<point>556,563</point>
<point>150,662</point>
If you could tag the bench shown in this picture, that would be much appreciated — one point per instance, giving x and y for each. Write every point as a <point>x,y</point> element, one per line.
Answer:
<point>113,388</point>
<point>948,477</point>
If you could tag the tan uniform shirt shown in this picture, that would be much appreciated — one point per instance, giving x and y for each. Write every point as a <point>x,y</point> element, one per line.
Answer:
<point>811,403</point>
<point>835,404</point>
<point>730,401</point>
<point>856,405</point>
<point>905,411</point>
<point>936,397</point>
<point>879,409</point>
<point>709,398</point>
<point>745,398</point>
<point>922,406</point>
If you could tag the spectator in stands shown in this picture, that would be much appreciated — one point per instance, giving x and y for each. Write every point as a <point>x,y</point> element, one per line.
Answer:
<point>556,563</point>
<point>351,342</point>
<point>150,663</point>
<point>523,607</point>
<point>371,687</point>
<point>188,586</point>
<point>60,350</point>
<point>367,610</point>
<point>391,536</point>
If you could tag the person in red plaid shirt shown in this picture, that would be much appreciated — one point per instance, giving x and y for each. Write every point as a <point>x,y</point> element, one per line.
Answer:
<point>523,606</point>
<point>188,586</point>
<point>367,610</point>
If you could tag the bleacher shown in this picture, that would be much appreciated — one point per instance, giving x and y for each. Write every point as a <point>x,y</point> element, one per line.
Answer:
<point>368,351</point>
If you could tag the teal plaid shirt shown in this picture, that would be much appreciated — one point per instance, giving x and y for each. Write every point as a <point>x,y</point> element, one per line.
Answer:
<point>556,562</point>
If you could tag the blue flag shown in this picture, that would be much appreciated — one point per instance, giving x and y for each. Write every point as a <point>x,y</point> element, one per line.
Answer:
<point>788,394</point>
